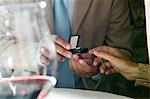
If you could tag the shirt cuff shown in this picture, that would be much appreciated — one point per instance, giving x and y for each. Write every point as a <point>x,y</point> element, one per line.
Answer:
<point>144,79</point>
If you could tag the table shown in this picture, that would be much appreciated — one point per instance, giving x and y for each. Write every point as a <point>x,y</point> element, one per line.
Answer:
<point>63,93</point>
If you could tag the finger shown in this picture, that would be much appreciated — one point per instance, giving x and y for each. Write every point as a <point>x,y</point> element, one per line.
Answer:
<point>97,61</point>
<point>76,57</point>
<point>44,51</point>
<point>63,51</point>
<point>108,65</point>
<point>100,48</point>
<point>92,50</point>
<point>85,56</point>
<point>107,72</point>
<point>44,60</point>
<point>88,61</point>
<point>108,49</point>
<point>113,70</point>
<point>108,68</point>
<point>84,67</point>
<point>102,68</point>
<point>87,70</point>
<point>105,66</point>
<point>106,56</point>
<point>114,51</point>
<point>74,66</point>
<point>60,41</point>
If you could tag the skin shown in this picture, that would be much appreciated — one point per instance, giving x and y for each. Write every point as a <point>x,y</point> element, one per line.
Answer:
<point>117,62</point>
<point>81,65</point>
<point>105,59</point>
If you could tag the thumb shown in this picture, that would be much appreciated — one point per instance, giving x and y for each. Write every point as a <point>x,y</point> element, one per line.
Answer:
<point>61,42</point>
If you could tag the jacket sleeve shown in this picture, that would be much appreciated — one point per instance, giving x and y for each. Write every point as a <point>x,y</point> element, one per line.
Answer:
<point>144,79</point>
<point>119,33</point>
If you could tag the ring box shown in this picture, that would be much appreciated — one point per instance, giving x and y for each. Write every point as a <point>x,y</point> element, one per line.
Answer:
<point>74,40</point>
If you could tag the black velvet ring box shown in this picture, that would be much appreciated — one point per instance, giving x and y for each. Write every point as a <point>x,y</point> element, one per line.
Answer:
<point>74,40</point>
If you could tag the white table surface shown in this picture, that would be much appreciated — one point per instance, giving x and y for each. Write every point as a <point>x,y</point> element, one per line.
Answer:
<point>62,93</point>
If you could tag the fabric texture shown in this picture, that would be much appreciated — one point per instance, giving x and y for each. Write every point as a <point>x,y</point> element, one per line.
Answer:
<point>144,74</point>
<point>103,22</point>
<point>63,28</point>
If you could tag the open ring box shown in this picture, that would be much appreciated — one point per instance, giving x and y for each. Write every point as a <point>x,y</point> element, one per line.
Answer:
<point>74,40</point>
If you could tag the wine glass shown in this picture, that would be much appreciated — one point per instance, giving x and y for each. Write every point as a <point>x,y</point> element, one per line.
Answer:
<point>24,34</point>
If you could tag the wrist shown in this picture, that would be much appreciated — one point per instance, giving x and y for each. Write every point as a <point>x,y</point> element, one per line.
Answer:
<point>135,73</point>
<point>132,72</point>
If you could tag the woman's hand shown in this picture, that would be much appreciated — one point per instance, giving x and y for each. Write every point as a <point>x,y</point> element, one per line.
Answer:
<point>118,63</point>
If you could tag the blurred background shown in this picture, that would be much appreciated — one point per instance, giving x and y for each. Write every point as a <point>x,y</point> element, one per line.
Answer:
<point>140,51</point>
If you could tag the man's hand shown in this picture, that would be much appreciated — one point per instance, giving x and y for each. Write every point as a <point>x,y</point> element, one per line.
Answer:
<point>82,65</point>
<point>62,48</point>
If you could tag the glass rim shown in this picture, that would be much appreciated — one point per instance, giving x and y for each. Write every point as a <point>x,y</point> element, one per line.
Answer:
<point>51,79</point>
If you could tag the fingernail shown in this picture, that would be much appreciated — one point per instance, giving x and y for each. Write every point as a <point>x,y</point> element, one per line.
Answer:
<point>81,61</point>
<point>94,64</point>
<point>95,52</point>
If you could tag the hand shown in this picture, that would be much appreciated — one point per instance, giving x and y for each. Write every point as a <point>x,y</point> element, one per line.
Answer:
<point>82,65</point>
<point>110,50</point>
<point>62,48</point>
<point>105,66</point>
<point>119,63</point>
